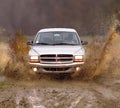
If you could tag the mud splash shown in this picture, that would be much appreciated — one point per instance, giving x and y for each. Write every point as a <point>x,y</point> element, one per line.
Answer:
<point>4,56</point>
<point>109,54</point>
<point>95,65</point>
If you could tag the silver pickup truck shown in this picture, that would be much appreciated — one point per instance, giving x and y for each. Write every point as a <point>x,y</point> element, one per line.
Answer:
<point>57,50</point>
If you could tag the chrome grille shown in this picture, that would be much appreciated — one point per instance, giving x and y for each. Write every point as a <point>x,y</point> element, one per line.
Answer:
<point>56,58</point>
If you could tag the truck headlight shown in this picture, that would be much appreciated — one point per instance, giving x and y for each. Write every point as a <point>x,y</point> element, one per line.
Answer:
<point>78,58</point>
<point>34,59</point>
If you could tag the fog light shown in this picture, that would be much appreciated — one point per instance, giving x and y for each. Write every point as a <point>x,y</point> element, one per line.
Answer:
<point>35,69</point>
<point>77,69</point>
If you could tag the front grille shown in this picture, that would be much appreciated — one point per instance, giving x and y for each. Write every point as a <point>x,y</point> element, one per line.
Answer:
<point>56,69</point>
<point>56,58</point>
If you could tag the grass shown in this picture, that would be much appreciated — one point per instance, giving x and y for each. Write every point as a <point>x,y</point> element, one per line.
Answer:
<point>4,86</point>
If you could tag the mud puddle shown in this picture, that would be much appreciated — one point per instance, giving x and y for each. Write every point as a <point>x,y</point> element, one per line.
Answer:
<point>61,94</point>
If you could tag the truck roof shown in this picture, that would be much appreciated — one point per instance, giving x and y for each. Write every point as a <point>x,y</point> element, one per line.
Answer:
<point>57,30</point>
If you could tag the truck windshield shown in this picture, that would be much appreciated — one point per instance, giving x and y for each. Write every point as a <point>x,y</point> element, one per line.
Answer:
<point>57,38</point>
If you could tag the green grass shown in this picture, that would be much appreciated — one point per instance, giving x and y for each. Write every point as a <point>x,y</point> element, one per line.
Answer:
<point>4,86</point>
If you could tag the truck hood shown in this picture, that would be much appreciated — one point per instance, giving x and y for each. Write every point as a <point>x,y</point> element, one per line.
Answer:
<point>61,49</point>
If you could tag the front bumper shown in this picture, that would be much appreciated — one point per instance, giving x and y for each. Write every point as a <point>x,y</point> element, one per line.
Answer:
<point>56,68</point>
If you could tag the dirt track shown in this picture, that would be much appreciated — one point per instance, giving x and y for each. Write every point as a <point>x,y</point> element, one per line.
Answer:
<point>62,94</point>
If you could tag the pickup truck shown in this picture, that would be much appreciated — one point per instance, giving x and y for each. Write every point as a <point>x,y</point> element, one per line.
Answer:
<point>56,50</point>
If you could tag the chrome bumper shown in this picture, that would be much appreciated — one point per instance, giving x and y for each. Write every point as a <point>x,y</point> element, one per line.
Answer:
<point>56,68</point>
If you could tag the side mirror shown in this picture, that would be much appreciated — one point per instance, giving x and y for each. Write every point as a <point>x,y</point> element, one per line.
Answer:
<point>30,43</point>
<point>84,42</point>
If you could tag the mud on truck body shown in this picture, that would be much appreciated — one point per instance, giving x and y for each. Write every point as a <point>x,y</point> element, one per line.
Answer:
<point>56,50</point>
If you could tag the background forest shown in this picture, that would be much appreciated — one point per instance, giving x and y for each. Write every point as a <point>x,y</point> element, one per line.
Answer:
<point>89,17</point>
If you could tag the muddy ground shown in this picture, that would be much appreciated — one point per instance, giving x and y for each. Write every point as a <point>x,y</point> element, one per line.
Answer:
<point>57,93</point>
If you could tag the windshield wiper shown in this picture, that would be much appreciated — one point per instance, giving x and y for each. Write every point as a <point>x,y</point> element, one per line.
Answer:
<point>43,44</point>
<point>62,43</point>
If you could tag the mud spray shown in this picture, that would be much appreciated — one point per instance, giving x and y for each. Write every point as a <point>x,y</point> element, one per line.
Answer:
<point>4,56</point>
<point>11,66</point>
<point>110,53</point>
<point>109,59</point>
